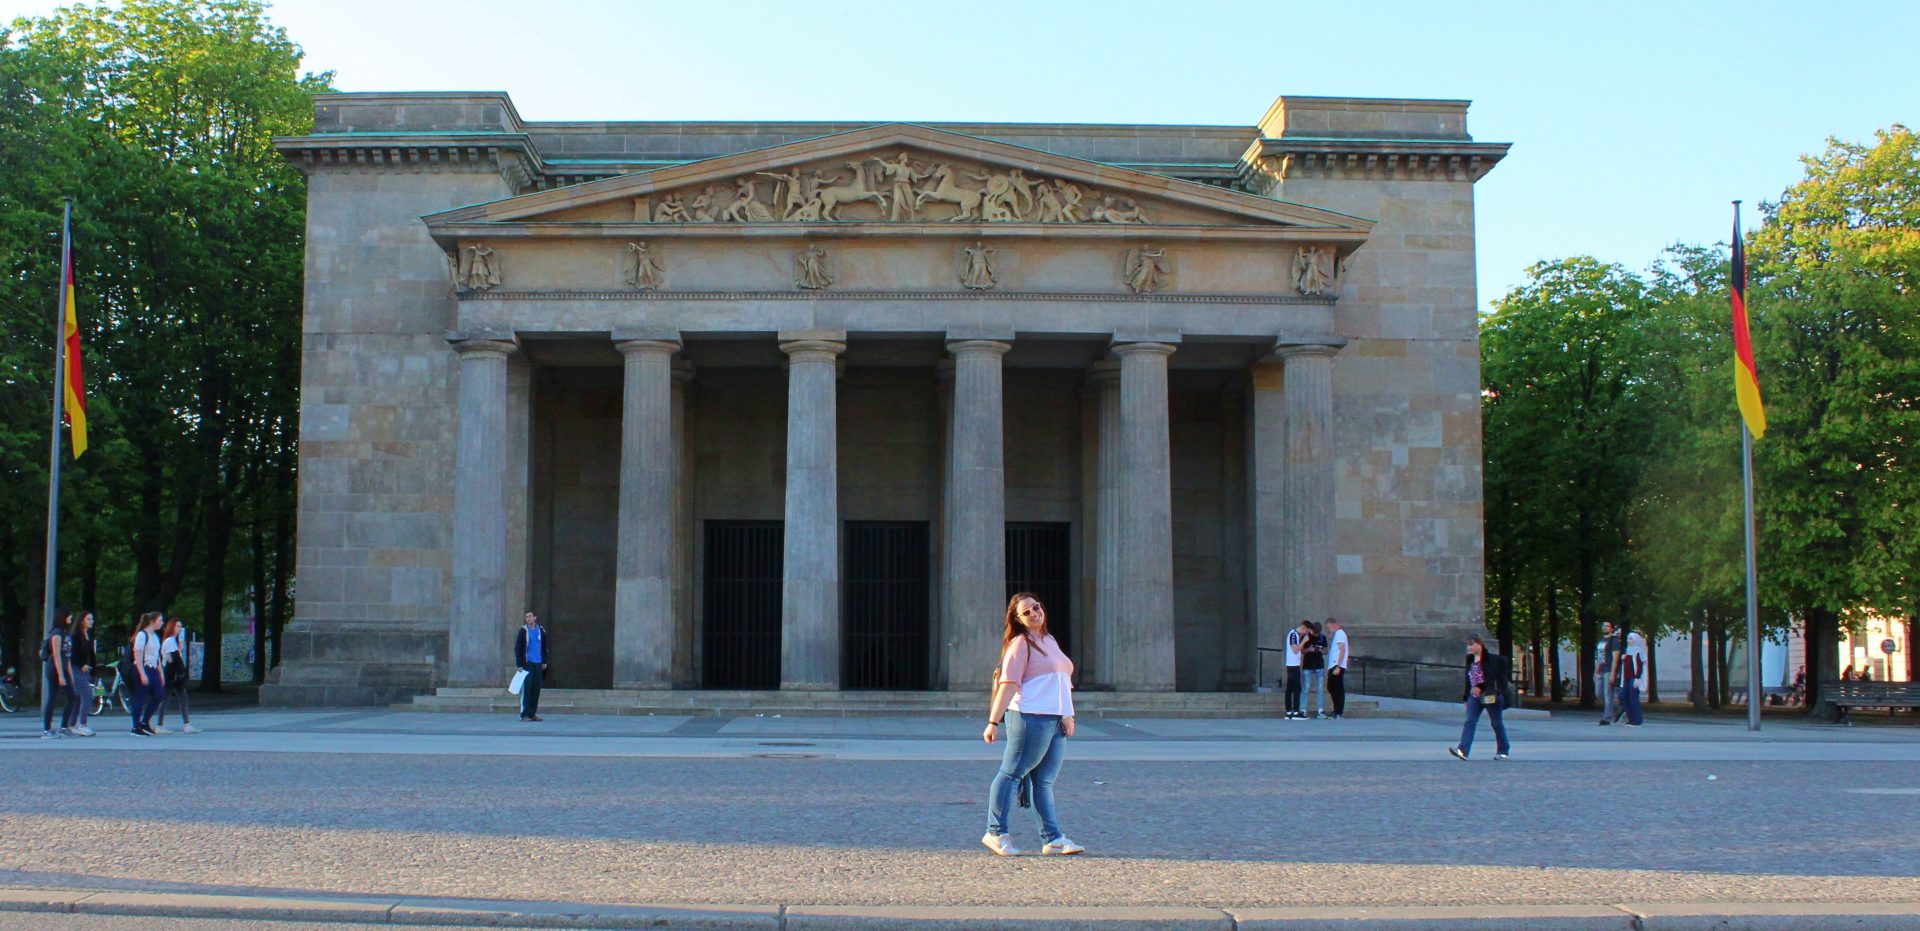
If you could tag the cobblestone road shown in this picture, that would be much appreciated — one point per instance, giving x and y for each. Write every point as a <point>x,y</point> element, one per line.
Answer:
<point>877,832</point>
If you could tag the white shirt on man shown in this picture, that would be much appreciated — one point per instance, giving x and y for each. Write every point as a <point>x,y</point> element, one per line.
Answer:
<point>1294,642</point>
<point>1337,653</point>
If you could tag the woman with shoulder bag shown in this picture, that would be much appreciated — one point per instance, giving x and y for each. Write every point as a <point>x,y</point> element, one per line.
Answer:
<point>56,662</point>
<point>80,660</point>
<point>1033,696</point>
<point>173,668</point>
<point>1487,681</point>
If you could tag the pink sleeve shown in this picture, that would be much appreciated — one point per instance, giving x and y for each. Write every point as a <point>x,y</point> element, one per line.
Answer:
<point>1013,664</point>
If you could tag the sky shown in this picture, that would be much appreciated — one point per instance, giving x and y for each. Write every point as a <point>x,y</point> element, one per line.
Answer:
<point>1633,123</point>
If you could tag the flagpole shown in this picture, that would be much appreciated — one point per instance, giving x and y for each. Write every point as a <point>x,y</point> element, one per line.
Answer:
<point>47,598</point>
<point>1754,691</point>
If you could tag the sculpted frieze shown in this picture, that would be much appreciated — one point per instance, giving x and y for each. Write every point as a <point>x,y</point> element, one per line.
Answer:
<point>895,187</point>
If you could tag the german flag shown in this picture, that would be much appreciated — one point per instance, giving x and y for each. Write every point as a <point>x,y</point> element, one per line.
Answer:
<point>74,387</point>
<point>1746,377</point>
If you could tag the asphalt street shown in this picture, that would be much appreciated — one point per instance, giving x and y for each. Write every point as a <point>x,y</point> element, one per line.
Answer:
<point>781,817</point>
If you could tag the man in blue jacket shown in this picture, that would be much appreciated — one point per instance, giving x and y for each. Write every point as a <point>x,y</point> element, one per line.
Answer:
<point>531,652</point>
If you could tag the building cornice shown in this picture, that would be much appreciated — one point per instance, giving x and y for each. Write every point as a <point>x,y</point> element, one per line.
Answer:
<point>1375,159</point>
<point>510,154</point>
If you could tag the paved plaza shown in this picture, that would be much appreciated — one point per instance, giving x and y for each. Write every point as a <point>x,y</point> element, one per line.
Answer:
<point>786,813</point>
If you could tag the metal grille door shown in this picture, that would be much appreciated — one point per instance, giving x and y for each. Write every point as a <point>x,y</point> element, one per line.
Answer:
<point>1039,560</point>
<point>741,613</point>
<point>887,617</point>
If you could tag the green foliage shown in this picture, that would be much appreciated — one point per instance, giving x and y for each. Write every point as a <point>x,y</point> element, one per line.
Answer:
<point>1640,479</point>
<point>157,116</point>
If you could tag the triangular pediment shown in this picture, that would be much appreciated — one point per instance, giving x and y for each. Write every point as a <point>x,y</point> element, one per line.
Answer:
<point>902,175</point>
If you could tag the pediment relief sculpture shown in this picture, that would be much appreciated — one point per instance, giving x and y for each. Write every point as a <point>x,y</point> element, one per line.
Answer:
<point>475,268</point>
<point>896,187</point>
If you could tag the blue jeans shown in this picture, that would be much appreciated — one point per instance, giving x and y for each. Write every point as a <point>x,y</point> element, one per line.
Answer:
<point>146,698</point>
<point>1314,691</point>
<point>1474,706</point>
<point>1630,703</point>
<point>1036,748</point>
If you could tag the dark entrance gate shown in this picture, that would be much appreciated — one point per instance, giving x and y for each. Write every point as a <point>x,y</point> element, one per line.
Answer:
<point>886,615</point>
<point>740,617</point>
<point>1039,560</point>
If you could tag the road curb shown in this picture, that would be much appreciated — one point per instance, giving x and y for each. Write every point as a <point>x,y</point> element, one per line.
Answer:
<point>414,911</point>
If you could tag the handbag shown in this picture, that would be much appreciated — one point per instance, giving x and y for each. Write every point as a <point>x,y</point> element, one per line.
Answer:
<point>519,682</point>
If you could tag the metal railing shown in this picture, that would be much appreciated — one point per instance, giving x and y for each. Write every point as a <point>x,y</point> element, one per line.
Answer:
<point>1372,675</point>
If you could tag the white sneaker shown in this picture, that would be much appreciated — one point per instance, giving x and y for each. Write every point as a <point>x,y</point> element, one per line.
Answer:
<point>189,729</point>
<point>1000,844</point>
<point>162,730</point>
<point>84,731</point>
<point>1061,848</point>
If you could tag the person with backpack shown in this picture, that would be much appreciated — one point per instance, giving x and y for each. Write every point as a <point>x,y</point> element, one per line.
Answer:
<point>80,660</point>
<point>173,668</point>
<point>143,660</point>
<point>55,660</point>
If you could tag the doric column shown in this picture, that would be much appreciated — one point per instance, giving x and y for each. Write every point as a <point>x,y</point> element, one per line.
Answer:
<point>810,587</point>
<point>685,674</point>
<point>479,618</point>
<point>976,531</point>
<point>1306,523</point>
<point>1266,518</point>
<point>1104,380</point>
<point>643,575</point>
<point>1143,657</point>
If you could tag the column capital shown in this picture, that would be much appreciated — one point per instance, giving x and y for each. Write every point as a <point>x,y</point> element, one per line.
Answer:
<point>483,343</point>
<point>813,350</point>
<point>643,347</point>
<point>978,347</point>
<point>1309,350</point>
<point>1144,346</point>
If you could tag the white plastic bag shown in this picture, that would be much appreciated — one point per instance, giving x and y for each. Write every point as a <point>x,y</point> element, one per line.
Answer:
<point>519,680</point>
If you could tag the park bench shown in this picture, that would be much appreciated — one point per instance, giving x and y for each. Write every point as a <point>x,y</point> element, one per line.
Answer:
<point>1888,695</point>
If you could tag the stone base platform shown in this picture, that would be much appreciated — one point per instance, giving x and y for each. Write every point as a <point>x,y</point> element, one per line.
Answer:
<point>856,704</point>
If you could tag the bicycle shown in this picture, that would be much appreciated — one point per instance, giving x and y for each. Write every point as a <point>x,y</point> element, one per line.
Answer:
<point>106,696</point>
<point>10,691</point>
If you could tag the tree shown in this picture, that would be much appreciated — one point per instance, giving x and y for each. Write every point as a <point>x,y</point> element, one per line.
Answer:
<point>1837,334</point>
<point>189,258</point>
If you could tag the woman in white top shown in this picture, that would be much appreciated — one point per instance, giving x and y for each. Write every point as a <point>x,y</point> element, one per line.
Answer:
<point>148,686</point>
<point>173,668</point>
<point>1033,694</point>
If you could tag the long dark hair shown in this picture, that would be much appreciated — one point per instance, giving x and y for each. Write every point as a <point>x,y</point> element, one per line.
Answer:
<point>62,621</point>
<point>145,619</point>
<point>1016,630</point>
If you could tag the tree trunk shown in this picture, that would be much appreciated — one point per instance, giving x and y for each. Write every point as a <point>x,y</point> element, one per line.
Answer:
<point>214,590</point>
<point>258,556</point>
<point>1539,669</point>
<point>1696,648</point>
<point>1823,655</point>
<point>1722,653</point>
<point>282,570</point>
<point>1506,623</point>
<point>1653,673</point>
<point>1713,668</point>
<point>1553,643</point>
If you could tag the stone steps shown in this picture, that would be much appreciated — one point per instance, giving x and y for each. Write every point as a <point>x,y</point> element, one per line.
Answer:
<point>851,704</point>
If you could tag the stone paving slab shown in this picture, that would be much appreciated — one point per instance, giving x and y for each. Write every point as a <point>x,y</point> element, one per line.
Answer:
<point>469,913</point>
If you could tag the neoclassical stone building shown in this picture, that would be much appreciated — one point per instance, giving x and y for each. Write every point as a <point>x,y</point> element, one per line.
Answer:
<point>796,405</point>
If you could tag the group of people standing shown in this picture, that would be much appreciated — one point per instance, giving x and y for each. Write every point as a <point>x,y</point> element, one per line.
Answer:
<point>1317,657</point>
<point>154,672</point>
